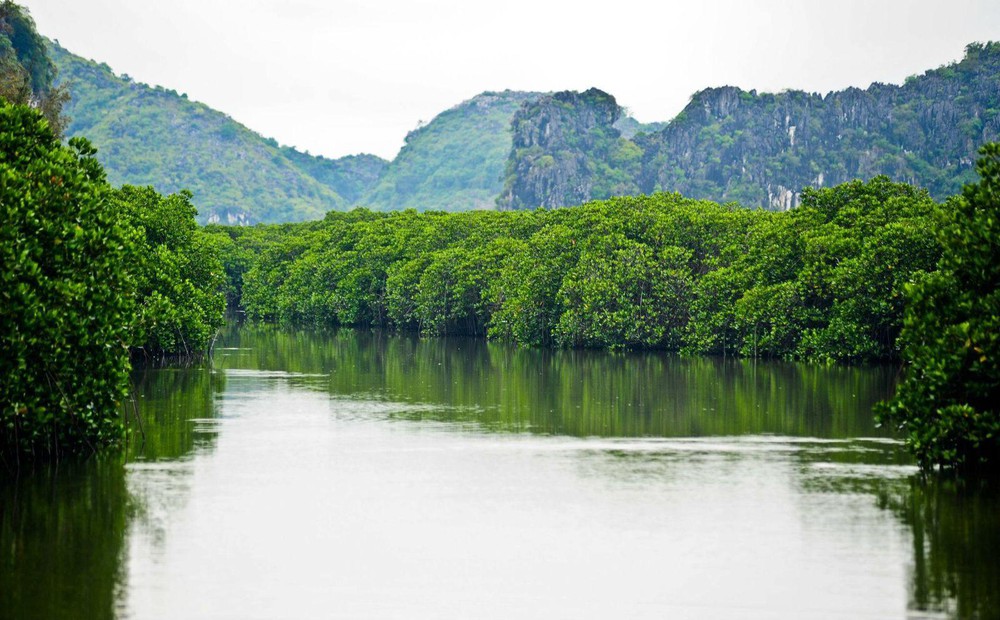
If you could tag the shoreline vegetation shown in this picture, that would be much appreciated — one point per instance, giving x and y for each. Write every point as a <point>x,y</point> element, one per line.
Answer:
<point>95,276</point>
<point>821,283</point>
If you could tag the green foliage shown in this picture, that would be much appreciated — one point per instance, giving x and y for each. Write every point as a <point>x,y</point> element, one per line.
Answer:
<point>234,259</point>
<point>623,294</point>
<point>88,272</point>
<point>526,293</point>
<point>66,294</point>
<point>446,294</point>
<point>823,282</point>
<point>178,277</point>
<point>402,287</point>
<point>947,404</point>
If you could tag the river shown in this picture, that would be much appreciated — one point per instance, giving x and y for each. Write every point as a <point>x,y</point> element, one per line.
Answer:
<point>364,475</point>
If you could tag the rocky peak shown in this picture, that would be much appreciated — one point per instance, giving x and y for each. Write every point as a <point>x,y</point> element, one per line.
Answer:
<point>556,140</point>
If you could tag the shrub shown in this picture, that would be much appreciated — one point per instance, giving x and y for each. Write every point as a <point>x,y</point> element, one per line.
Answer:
<point>64,293</point>
<point>949,401</point>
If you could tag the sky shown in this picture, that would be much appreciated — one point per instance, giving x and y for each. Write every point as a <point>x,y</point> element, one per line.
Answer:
<point>338,77</point>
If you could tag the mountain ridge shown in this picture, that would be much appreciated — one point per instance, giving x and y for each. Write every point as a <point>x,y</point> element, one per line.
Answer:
<point>726,145</point>
<point>237,176</point>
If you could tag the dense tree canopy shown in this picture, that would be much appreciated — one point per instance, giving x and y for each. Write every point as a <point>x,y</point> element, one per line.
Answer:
<point>176,272</point>
<point>822,282</point>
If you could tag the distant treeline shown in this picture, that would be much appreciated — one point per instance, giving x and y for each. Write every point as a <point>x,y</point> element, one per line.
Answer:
<point>822,282</point>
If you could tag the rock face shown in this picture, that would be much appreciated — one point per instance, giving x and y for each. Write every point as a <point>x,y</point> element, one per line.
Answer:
<point>761,149</point>
<point>564,149</point>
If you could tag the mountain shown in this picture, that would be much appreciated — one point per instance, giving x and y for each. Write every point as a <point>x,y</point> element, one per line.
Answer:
<point>453,163</point>
<point>522,150</point>
<point>762,149</point>
<point>456,161</point>
<point>351,176</point>
<point>27,74</point>
<point>566,150</point>
<point>628,127</point>
<point>153,136</point>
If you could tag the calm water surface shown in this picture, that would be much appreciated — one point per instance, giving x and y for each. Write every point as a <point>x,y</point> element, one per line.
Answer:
<point>357,475</point>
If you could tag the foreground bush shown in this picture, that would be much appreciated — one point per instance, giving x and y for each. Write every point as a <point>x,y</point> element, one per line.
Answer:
<point>949,402</point>
<point>64,293</point>
<point>88,274</point>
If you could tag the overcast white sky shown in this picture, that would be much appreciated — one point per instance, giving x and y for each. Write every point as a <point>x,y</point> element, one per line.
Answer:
<point>337,77</point>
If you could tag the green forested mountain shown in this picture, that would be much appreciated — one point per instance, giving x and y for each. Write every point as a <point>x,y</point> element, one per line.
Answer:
<point>152,136</point>
<point>455,162</point>
<point>351,176</point>
<point>762,149</point>
<point>518,150</point>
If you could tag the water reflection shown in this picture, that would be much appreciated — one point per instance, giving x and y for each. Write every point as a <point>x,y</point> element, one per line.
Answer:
<point>373,467</point>
<point>62,540</point>
<point>586,394</point>
<point>177,409</point>
<point>956,544</point>
<point>577,393</point>
<point>63,530</point>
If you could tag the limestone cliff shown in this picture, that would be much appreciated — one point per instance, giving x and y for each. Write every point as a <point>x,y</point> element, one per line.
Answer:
<point>760,149</point>
<point>565,151</point>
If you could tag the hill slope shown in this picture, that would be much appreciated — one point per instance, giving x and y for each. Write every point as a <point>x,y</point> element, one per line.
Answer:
<point>153,136</point>
<point>456,161</point>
